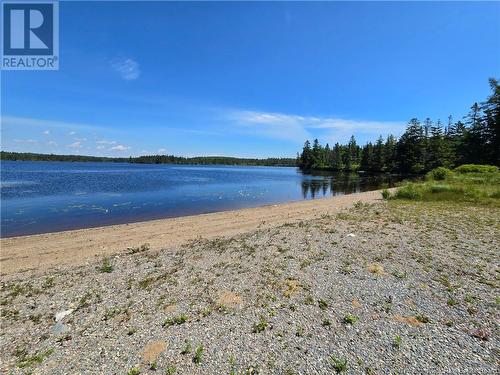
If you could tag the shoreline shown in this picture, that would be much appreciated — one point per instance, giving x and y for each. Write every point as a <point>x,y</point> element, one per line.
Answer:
<point>41,252</point>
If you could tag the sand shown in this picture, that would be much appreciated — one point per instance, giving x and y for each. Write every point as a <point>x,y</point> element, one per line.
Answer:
<point>41,252</point>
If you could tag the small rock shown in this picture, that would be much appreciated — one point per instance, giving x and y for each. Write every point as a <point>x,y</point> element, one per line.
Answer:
<point>62,314</point>
<point>351,235</point>
<point>60,328</point>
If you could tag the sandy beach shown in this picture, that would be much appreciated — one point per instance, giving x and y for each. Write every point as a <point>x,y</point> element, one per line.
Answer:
<point>38,253</point>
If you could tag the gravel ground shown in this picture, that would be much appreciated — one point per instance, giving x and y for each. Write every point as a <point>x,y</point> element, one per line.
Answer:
<point>406,288</point>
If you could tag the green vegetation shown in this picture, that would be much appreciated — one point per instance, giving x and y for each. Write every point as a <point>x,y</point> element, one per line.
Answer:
<point>134,371</point>
<point>198,354</point>
<point>260,326</point>
<point>176,320</point>
<point>397,342</point>
<point>171,369</point>
<point>339,364</point>
<point>350,319</point>
<point>28,361</point>
<point>323,305</point>
<point>469,183</point>
<point>422,148</point>
<point>151,159</point>
<point>106,267</point>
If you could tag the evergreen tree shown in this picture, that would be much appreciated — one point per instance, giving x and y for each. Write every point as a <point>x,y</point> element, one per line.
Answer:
<point>410,148</point>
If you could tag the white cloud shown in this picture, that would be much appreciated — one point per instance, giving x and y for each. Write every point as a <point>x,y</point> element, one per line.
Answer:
<point>72,133</point>
<point>162,150</point>
<point>119,148</point>
<point>75,145</point>
<point>80,139</point>
<point>298,128</point>
<point>105,142</point>
<point>273,125</point>
<point>51,143</point>
<point>101,147</point>
<point>127,68</point>
<point>46,132</point>
<point>30,141</point>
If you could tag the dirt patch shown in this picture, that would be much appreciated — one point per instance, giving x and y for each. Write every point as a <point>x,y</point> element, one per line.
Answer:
<point>153,350</point>
<point>170,308</point>
<point>410,320</point>
<point>356,304</point>
<point>230,299</point>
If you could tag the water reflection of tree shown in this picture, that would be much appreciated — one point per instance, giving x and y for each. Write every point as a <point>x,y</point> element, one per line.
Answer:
<point>320,186</point>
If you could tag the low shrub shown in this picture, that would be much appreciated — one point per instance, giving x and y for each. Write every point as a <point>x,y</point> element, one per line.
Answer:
<point>409,191</point>
<point>476,168</point>
<point>439,174</point>
<point>386,194</point>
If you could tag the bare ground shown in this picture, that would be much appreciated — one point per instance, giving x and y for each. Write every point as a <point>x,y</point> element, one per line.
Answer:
<point>407,288</point>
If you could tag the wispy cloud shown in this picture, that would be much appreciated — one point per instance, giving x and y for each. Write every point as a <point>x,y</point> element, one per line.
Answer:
<point>52,143</point>
<point>75,145</point>
<point>162,150</point>
<point>105,142</point>
<point>273,125</point>
<point>46,132</point>
<point>119,148</point>
<point>127,68</point>
<point>298,128</point>
<point>29,141</point>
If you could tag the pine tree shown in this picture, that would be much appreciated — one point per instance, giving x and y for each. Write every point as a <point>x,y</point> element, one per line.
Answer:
<point>378,156</point>
<point>410,148</point>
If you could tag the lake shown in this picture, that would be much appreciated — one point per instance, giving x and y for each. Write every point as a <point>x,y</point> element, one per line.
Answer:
<point>39,197</point>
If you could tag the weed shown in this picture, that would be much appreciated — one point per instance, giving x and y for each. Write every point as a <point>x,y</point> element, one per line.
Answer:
<point>106,266</point>
<point>339,364</point>
<point>260,326</point>
<point>26,361</point>
<point>171,369</point>
<point>323,305</point>
<point>187,348</point>
<point>198,354</point>
<point>326,323</point>
<point>309,300</point>
<point>386,194</point>
<point>134,371</point>
<point>396,343</point>
<point>423,318</point>
<point>176,320</point>
<point>140,249</point>
<point>350,319</point>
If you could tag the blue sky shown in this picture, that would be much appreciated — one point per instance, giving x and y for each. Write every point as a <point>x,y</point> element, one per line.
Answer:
<point>248,79</point>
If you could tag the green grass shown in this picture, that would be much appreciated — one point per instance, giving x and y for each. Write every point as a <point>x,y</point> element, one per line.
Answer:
<point>477,184</point>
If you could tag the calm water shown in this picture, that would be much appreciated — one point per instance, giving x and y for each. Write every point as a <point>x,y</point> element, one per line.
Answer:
<point>38,197</point>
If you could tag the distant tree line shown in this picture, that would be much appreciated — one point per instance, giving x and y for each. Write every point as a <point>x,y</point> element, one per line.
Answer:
<point>422,147</point>
<point>151,159</point>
